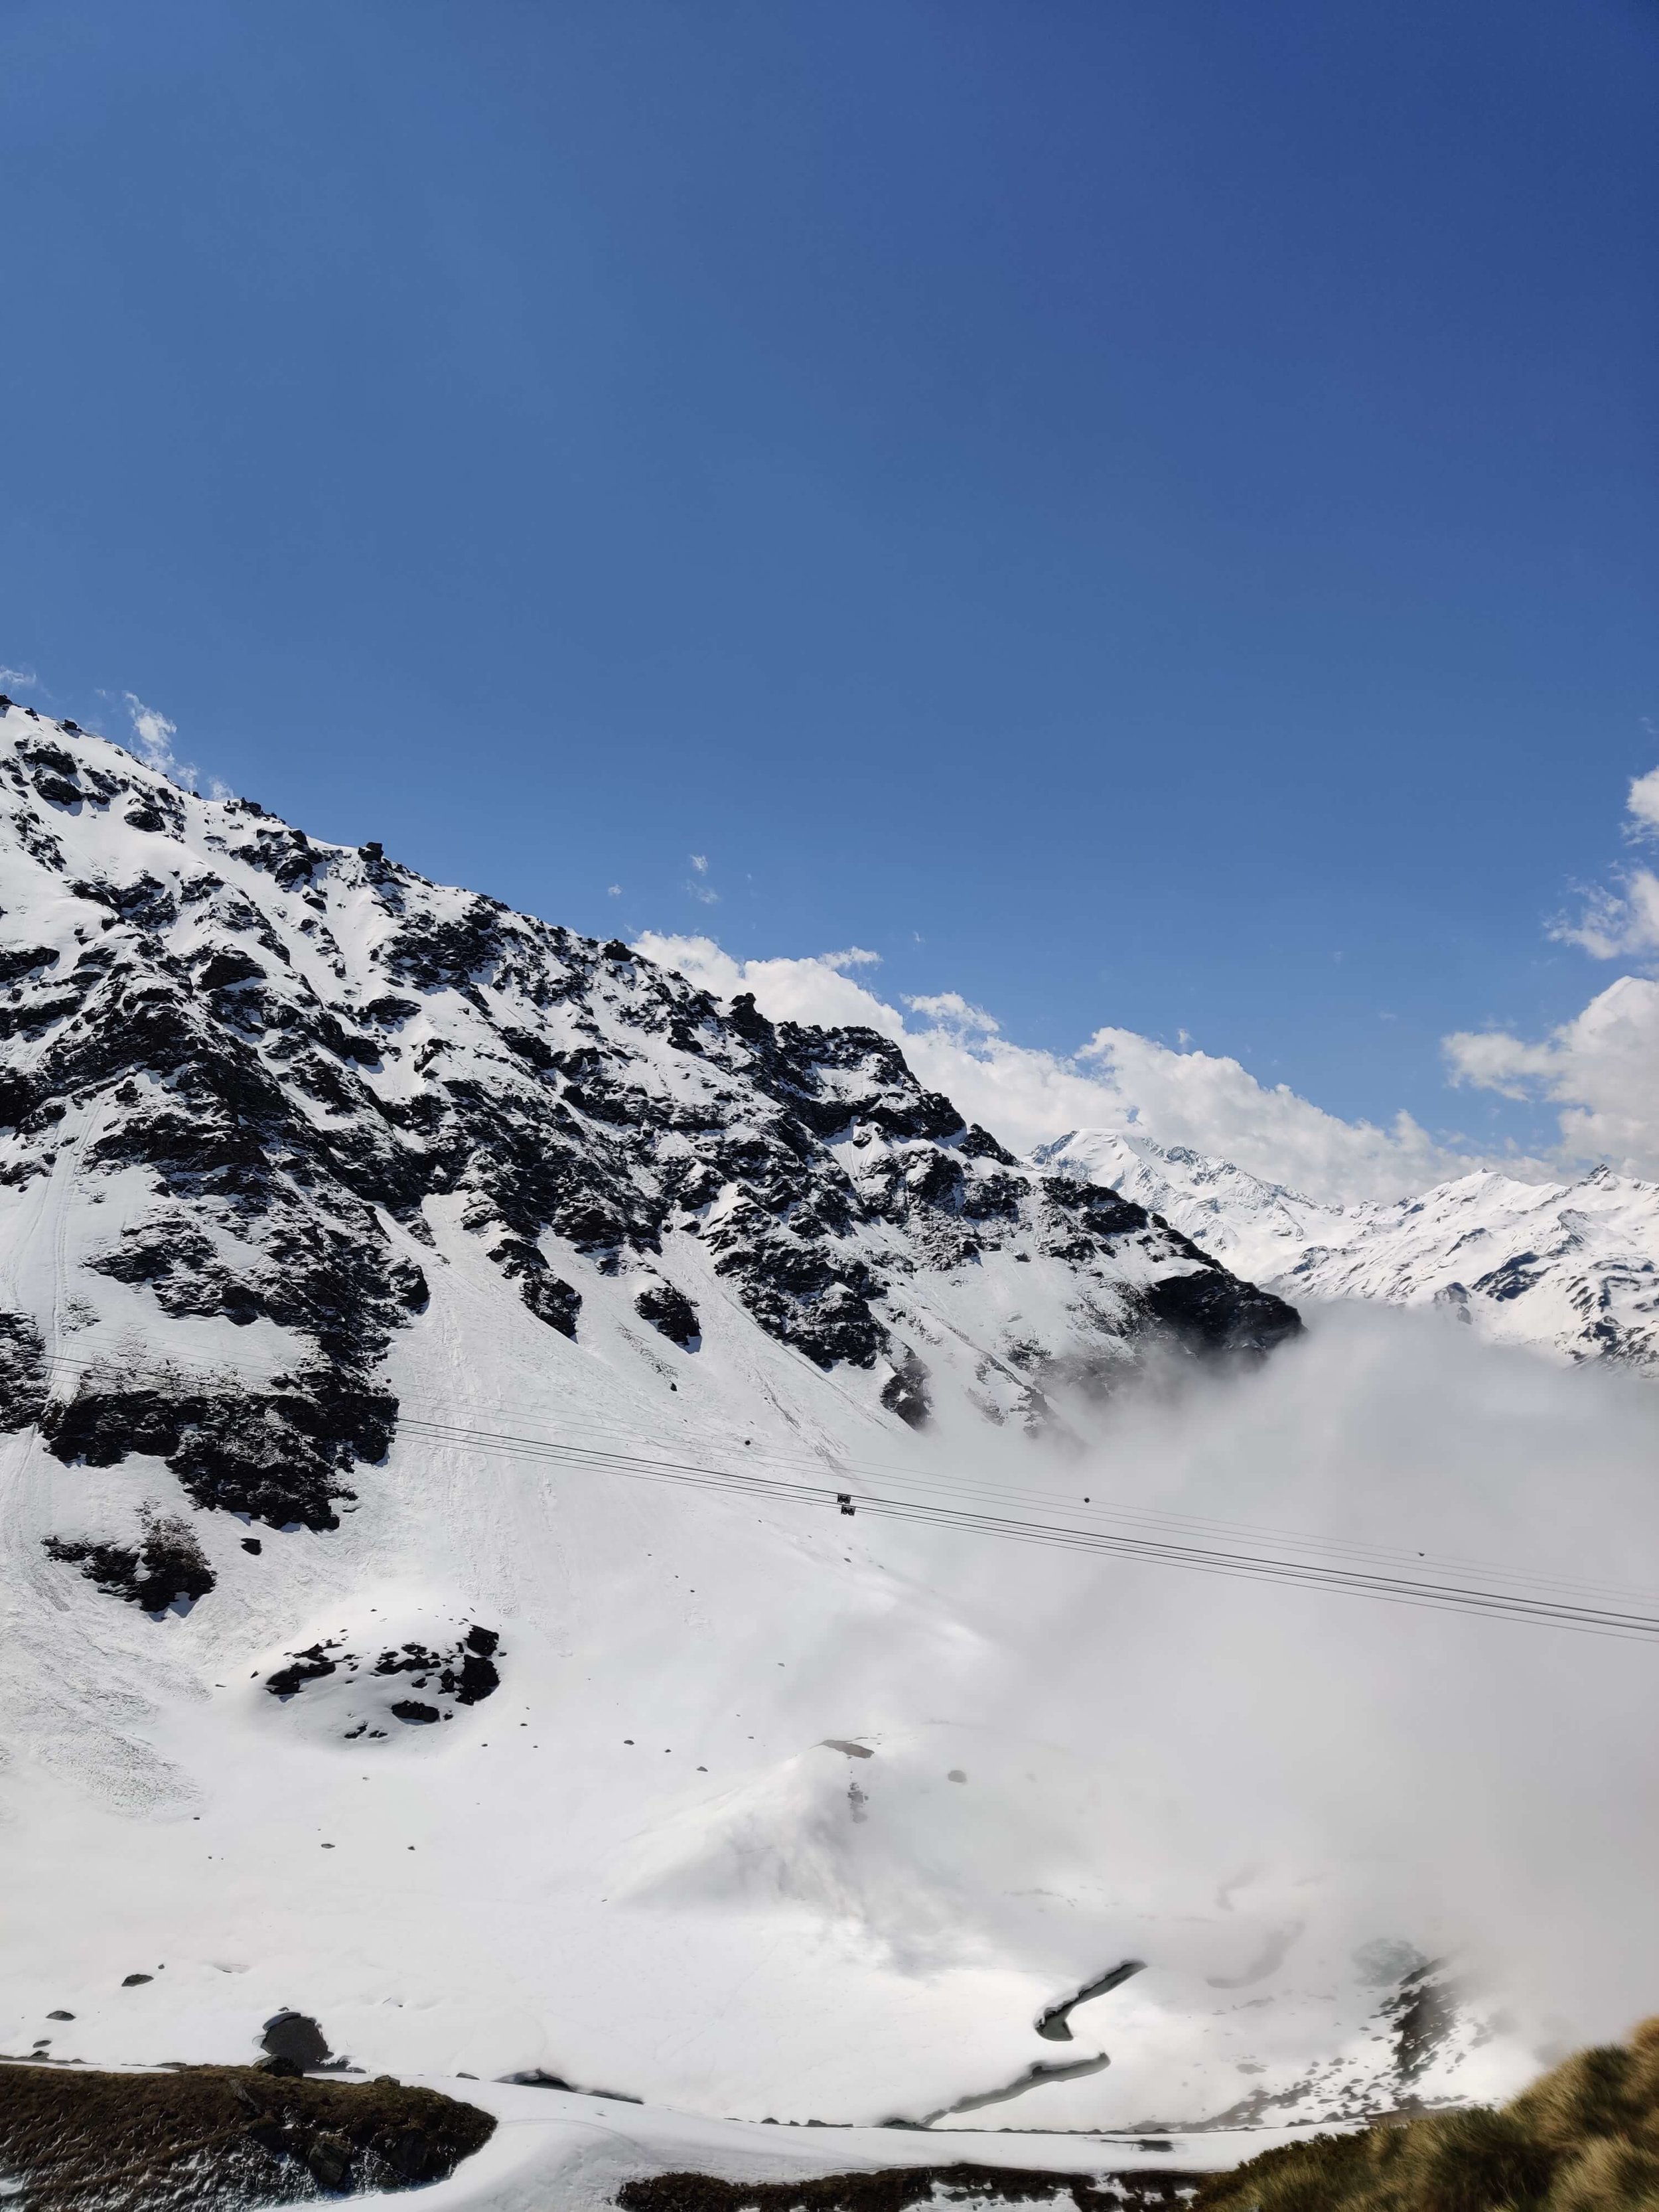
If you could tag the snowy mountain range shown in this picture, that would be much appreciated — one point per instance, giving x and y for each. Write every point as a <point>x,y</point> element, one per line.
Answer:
<point>500,1459</point>
<point>1568,1269</point>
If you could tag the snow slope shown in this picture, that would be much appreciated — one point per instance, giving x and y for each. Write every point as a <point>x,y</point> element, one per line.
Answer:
<point>388,1276</point>
<point>1570,1269</point>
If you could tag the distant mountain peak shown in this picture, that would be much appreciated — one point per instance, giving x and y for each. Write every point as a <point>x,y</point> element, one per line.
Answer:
<point>1569,1269</point>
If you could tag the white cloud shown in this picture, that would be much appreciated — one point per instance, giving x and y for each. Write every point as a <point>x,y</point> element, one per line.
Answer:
<point>1602,1067</point>
<point>613,890</point>
<point>700,862</point>
<point>18,679</point>
<point>155,735</point>
<point>1643,804</point>
<point>1625,921</point>
<point>1622,920</point>
<point>1117,1079</point>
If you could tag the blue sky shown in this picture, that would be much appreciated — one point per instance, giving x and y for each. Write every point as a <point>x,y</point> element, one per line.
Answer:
<point>1142,515</point>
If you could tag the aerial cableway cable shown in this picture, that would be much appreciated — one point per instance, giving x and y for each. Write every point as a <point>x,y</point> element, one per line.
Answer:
<point>1191,1545</point>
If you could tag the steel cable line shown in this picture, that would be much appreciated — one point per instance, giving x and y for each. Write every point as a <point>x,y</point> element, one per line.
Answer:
<point>848,1468</point>
<point>1182,1524</point>
<point>1418,1589</point>
<point>1398,1590</point>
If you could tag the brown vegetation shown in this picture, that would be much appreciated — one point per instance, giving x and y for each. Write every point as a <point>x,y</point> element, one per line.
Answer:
<point>1585,2138</point>
<point>198,2137</point>
<point>895,2188</point>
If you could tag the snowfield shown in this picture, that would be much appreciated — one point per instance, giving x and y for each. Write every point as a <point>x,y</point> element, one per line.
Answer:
<point>511,1331</point>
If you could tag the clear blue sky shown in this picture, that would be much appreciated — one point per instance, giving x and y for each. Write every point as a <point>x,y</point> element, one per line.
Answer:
<point>1112,506</point>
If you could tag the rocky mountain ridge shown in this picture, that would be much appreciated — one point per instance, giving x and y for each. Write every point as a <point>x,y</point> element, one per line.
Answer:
<point>260,1059</point>
<point>1569,1269</point>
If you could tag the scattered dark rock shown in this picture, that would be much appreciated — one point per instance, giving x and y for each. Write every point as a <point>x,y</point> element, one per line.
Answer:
<point>311,1665</point>
<point>464,1673</point>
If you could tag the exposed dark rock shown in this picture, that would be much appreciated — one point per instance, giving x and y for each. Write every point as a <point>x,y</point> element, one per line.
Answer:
<point>468,1674</point>
<point>25,960</point>
<point>1211,1311</point>
<point>168,1567</point>
<point>22,1370</point>
<point>296,2037</point>
<point>311,1665</point>
<point>552,1300</point>
<point>279,1455</point>
<point>671,1311</point>
<point>905,1392</point>
<point>464,1673</point>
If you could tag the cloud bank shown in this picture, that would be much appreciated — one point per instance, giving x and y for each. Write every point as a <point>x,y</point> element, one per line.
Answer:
<point>1116,1080</point>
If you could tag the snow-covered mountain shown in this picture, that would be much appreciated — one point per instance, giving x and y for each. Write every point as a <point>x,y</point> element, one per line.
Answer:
<point>447,1364</point>
<point>1570,1269</point>
<point>241,1068</point>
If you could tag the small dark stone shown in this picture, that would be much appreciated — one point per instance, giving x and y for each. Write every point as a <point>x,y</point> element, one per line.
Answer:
<point>285,2069</point>
<point>131,1981</point>
<point>252,1544</point>
<point>60,2015</point>
<point>328,2160</point>
<point>411,1710</point>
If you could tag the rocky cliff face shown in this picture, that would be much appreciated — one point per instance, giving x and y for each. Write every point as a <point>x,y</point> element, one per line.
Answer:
<point>250,1063</point>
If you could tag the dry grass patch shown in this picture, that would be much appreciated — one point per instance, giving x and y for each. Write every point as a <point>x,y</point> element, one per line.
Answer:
<point>1585,2138</point>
